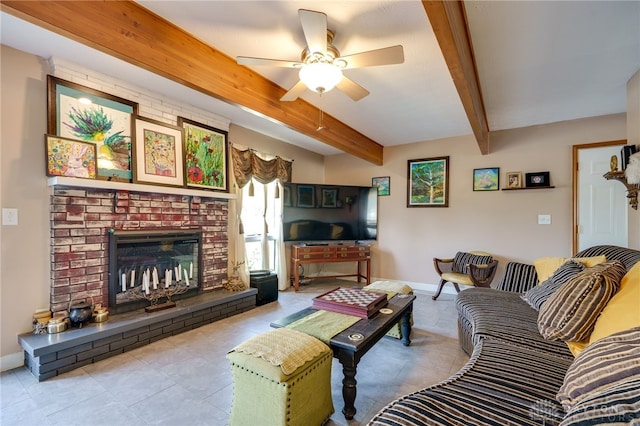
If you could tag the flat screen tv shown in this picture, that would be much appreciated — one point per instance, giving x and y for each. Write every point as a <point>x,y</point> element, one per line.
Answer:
<point>314,212</point>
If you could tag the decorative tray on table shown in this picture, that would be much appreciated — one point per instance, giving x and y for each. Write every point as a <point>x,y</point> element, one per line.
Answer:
<point>351,301</point>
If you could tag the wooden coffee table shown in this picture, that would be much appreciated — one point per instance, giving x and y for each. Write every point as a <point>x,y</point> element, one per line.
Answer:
<point>349,351</point>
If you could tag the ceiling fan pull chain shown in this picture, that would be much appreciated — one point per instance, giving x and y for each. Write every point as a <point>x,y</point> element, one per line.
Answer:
<point>321,114</point>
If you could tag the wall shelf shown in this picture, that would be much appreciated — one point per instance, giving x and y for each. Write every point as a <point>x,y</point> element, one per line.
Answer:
<point>632,189</point>
<point>532,187</point>
<point>71,182</point>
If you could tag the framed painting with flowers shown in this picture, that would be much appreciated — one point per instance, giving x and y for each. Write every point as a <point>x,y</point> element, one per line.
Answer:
<point>84,114</point>
<point>157,153</point>
<point>205,156</point>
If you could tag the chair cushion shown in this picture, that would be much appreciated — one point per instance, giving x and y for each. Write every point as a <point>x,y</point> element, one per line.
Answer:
<point>457,277</point>
<point>607,362</point>
<point>540,293</point>
<point>571,312</point>
<point>462,259</point>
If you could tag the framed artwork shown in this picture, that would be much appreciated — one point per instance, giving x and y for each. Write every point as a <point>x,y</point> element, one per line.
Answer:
<point>514,180</point>
<point>428,182</point>
<point>70,157</point>
<point>78,112</point>
<point>383,184</point>
<point>158,153</point>
<point>329,198</point>
<point>205,156</point>
<point>538,179</point>
<point>487,179</point>
<point>306,196</point>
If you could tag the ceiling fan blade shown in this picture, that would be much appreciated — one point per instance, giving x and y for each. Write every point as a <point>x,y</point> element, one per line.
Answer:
<point>294,92</point>
<point>249,61</point>
<point>314,26</point>
<point>352,89</point>
<point>385,56</point>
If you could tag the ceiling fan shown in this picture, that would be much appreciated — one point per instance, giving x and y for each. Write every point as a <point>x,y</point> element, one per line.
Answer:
<point>321,65</point>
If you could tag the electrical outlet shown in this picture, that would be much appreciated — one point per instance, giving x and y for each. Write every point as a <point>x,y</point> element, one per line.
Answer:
<point>544,219</point>
<point>9,217</point>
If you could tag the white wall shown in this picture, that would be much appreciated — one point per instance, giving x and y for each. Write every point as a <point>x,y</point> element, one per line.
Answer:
<point>501,222</point>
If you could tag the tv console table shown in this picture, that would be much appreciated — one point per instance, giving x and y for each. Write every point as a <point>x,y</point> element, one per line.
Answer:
<point>305,254</point>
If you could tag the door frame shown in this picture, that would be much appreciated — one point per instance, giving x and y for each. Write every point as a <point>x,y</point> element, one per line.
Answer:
<point>575,212</point>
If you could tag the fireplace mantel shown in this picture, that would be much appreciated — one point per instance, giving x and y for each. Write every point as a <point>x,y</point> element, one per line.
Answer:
<point>70,182</point>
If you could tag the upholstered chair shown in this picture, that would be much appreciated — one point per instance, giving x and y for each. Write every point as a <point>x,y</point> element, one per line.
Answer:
<point>476,268</point>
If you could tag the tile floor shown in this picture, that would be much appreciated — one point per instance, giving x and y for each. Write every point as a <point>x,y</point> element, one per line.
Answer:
<point>186,380</point>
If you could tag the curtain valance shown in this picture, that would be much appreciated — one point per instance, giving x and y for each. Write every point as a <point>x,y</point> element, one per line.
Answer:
<point>248,164</point>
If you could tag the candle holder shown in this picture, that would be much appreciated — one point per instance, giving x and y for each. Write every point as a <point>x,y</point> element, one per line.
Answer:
<point>154,296</point>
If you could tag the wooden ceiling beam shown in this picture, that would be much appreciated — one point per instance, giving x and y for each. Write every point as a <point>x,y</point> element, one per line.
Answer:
<point>449,23</point>
<point>128,31</point>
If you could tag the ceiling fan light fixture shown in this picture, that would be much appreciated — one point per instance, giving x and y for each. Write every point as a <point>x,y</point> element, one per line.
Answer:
<point>320,76</point>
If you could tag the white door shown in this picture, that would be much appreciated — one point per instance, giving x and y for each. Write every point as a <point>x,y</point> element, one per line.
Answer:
<point>602,203</point>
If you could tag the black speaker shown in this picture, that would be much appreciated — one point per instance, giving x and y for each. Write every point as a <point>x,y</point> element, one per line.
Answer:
<point>267,284</point>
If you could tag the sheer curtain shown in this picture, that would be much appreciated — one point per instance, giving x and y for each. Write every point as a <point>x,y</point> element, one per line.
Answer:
<point>248,164</point>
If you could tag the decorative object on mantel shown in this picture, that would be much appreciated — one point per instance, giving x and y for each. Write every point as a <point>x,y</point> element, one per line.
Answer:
<point>72,158</point>
<point>205,153</point>
<point>82,113</point>
<point>235,283</point>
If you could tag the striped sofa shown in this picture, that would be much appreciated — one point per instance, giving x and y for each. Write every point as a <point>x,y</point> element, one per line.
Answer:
<point>513,375</point>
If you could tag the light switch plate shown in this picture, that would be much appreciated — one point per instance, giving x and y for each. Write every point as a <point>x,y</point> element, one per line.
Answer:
<point>9,217</point>
<point>544,219</point>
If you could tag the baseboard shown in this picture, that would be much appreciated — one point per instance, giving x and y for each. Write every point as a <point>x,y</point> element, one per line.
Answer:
<point>11,361</point>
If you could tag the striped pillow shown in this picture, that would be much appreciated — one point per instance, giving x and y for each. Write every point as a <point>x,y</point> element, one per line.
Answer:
<point>610,361</point>
<point>540,293</point>
<point>571,312</point>
<point>462,259</point>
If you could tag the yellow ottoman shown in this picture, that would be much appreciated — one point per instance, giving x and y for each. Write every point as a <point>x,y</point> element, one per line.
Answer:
<point>392,288</point>
<point>281,377</point>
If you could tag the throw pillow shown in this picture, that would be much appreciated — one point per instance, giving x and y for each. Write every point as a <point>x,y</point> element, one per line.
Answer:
<point>540,293</point>
<point>571,312</point>
<point>462,259</point>
<point>546,266</point>
<point>608,362</point>
<point>618,404</point>
<point>623,310</point>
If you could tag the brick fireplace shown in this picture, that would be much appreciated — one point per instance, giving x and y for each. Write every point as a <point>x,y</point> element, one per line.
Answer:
<point>82,219</point>
<point>81,223</point>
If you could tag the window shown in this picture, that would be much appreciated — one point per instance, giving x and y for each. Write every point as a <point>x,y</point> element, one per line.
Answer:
<point>260,243</point>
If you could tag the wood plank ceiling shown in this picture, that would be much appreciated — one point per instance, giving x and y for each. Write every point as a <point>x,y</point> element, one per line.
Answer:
<point>132,33</point>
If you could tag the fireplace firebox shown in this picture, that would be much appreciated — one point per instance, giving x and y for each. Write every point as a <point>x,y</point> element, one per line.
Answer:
<point>149,268</point>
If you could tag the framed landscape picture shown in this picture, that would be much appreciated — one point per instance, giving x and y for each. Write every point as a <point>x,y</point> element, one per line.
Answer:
<point>81,113</point>
<point>487,179</point>
<point>428,182</point>
<point>205,156</point>
<point>70,157</point>
<point>158,153</point>
<point>383,184</point>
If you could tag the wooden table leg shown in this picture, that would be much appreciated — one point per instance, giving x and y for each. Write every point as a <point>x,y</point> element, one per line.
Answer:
<point>405,326</point>
<point>348,384</point>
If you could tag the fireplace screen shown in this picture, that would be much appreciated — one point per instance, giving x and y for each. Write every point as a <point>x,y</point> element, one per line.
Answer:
<point>151,267</point>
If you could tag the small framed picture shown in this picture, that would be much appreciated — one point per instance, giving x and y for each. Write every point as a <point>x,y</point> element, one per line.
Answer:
<point>69,157</point>
<point>487,179</point>
<point>537,179</point>
<point>306,196</point>
<point>158,153</point>
<point>383,184</point>
<point>514,180</point>
<point>286,195</point>
<point>329,198</point>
